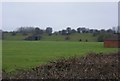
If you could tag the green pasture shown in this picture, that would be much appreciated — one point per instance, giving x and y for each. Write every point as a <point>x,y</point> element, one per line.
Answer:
<point>27,54</point>
<point>46,37</point>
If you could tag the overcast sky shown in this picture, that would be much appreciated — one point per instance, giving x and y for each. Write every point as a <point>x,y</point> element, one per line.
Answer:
<point>99,15</point>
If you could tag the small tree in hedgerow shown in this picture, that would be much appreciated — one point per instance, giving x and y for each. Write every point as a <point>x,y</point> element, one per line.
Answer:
<point>80,40</point>
<point>86,40</point>
<point>13,33</point>
<point>102,37</point>
<point>67,38</point>
<point>49,31</point>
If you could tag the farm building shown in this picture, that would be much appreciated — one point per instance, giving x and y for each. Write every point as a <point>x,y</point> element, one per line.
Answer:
<point>112,42</point>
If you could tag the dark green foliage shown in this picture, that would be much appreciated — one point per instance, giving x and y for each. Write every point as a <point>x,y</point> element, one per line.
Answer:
<point>95,34</point>
<point>110,31</point>
<point>103,36</point>
<point>78,30</point>
<point>102,31</point>
<point>37,31</point>
<point>73,31</point>
<point>13,33</point>
<point>67,38</point>
<point>86,40</point>
<point>69,31</point>
<point>80,40</point>
<point>64,32</point>
<point>49,34</point>
<point>34,37</point>
<point>49,31</point>
<point>56,33</point>
<point>25,30</point>
<point>0,34</point>
<point>24,33</point>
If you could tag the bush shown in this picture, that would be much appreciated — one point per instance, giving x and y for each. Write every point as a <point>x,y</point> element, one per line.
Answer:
<point>67,38</point>
<point>102,37</point>
<point>13,33</point>
<point>33,37</point>
<point>86,40</point>
<point>92,66</point>
<point>80,40</point>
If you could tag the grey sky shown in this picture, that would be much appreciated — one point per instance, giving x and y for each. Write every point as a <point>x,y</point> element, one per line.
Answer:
<point>59,15</point>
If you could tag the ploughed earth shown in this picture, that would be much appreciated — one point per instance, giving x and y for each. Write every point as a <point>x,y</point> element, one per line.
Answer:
<point>91,66</point>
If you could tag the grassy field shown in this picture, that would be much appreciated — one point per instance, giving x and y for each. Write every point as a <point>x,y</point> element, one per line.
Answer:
<point>27,54</point>
<point>45,37</point>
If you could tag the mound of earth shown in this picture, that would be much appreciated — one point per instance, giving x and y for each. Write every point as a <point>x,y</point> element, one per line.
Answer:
<point>92,66</point>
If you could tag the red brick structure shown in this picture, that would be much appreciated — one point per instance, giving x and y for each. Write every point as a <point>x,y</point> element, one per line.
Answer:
<point>112,43</point>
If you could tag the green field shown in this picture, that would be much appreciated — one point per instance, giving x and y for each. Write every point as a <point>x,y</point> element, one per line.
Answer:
<point>46,37</point>
<point>27,54</point>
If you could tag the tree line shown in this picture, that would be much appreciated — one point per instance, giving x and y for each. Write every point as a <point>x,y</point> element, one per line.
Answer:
<point>36,32</point>
<point>67,31</point>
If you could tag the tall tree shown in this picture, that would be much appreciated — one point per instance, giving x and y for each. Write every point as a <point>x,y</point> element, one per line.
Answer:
<point>37,31</point>
<point>78,30</point>
<point>73,31</point>
<point>69,30</point>
<point>49,30</point>
<point>64,32</point>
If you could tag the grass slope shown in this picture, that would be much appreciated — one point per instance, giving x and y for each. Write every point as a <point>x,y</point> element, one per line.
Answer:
<point>46,37</point>
<point>25,54</point>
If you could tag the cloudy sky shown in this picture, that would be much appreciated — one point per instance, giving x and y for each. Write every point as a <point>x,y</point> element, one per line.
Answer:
<point>59,15</point>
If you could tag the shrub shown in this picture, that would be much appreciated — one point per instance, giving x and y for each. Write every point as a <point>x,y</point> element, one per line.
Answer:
<point>33,37</point>
<point>102,37</point>
<point>80,40</point>
<point>92,66</point>
<point>86,40</point>
<point>67,38</point>
<point>13,33</point>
